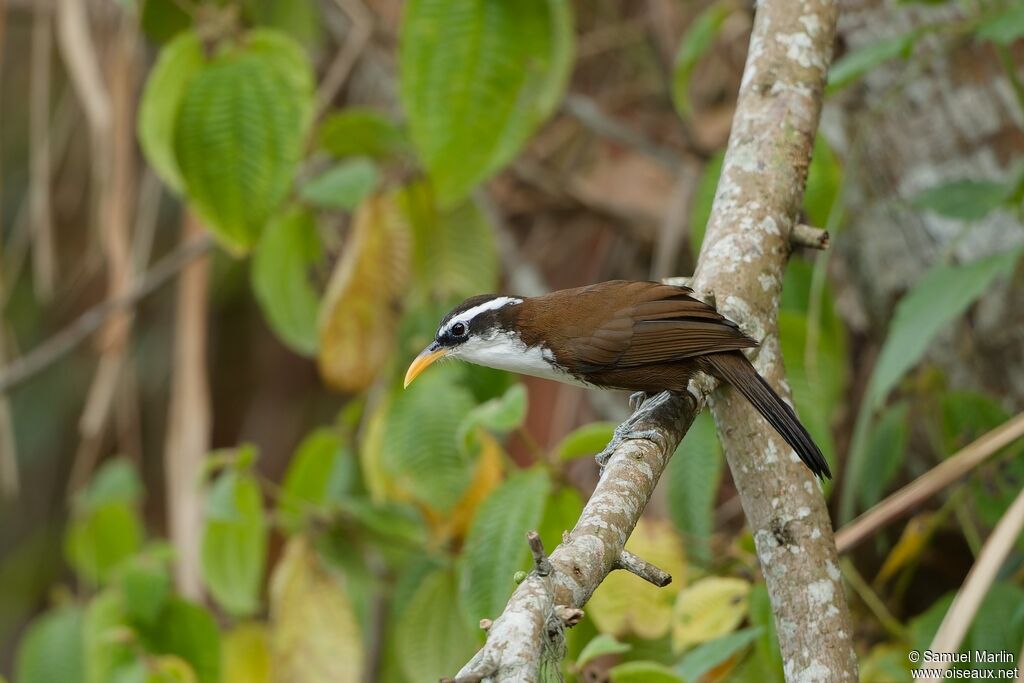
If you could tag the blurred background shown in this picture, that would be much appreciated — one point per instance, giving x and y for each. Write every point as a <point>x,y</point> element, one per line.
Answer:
<point>228,226</point>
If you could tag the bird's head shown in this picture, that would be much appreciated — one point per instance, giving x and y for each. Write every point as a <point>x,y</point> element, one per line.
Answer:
<point>477,330</point>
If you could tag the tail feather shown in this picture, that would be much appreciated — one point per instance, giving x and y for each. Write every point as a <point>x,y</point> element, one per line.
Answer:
<point>735,369</point>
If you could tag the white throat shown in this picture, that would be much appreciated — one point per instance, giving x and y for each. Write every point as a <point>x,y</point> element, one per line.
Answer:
<point>506,351</point>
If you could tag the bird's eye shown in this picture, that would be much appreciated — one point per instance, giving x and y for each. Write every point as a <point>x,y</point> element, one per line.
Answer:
<point>459,330</point>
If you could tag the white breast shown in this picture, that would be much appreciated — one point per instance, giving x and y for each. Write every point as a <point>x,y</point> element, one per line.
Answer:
<point>504,351</point>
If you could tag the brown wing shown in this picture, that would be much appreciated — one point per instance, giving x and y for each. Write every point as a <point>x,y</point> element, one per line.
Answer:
<point>623,324</point>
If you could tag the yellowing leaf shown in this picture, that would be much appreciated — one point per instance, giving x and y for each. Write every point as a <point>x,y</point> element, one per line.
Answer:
<point>314,636</point>
<point>708,609</point>
<point>913,540</point>
<point>488,474</point>
<point>245,654</point>
<point>360,311</point>
<point>170,669</point>
<point>625,603</point>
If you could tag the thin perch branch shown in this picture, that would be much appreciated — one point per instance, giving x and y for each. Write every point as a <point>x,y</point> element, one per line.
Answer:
<point>644,569</point>
<point>807,236</point>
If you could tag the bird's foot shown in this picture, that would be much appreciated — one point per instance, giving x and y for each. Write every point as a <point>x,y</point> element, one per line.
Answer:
<point>630,429</point>
<point>636,399</point>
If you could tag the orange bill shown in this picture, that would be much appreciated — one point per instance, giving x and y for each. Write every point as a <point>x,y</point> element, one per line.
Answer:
<point>423,361</point>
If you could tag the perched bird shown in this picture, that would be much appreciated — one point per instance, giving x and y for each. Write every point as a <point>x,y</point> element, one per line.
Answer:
<point>640,336</point>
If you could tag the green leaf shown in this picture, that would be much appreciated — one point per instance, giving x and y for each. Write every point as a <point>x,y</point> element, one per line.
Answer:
<point>561,513</point>
<point>1004,27</point>
<point>767,657</point>
<point>477,79</point>
<point>643,672</point>
<point>964,199</point>
<point>97,542</point>
<point>590,439</point>
<point>886,446</point>
<point>342,186</point>
<point>454,255</point>
<point>694,474</point>
<point>116,481</point>
<point>178,64</point>
<point>51,650</point>
<point>300,18</point>
<point>414,442</point>
<point>162,20</point>
<point>289,249</point>
<point>824,178</point>
<point>854,64</point>
<point>391,524</point>
<point>234,548</point>
<point>240,132</point>
<point>496,543</point>
<point>703,198</point>
<point>186,630</point>
<point>941,296</point>
<point>707,656</point>
<point>499,415</point>
<point>109,654</point>
<point>146,585</point>
<point>356,132</point>
<point>321,471</point>
<point>436,640</point>
<point>695,44</point>
<point>600,646</point>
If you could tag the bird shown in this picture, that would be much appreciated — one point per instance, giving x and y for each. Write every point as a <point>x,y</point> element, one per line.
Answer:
<point>644,337</point>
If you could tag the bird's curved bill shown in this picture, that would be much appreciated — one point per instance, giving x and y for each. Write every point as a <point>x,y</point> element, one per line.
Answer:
<point>423,361</point>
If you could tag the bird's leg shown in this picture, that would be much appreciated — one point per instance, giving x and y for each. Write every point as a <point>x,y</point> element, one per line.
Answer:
<point>630,431</point>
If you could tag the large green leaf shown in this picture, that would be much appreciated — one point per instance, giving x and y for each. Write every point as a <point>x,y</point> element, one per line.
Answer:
<point>240,132</point>
<point>477,78</point>
<point>321,471</point>
<point>499,415</point>
<point>697,40</point>
<point>234,545</point>
<point>694,474</point>
<point>281,266</point>
<point>767,657</point>
<point>186,630</point>
<point>435,640</point>
<point>178,64</point>
<point>52,649</point>
<point>454,255</point>
<point>940,297</point>
<point>643,672</point>
<point>412,443</point>
<point>496,543</point>
<point>589,439</point>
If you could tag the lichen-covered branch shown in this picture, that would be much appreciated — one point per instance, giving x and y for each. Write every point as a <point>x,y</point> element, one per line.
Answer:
<point>741,265</point>
<point>742,261</point>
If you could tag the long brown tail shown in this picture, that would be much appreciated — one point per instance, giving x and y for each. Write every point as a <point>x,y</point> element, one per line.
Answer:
<point>735,369</point>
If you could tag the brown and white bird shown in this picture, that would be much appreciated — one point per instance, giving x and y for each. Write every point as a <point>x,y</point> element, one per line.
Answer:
<point>640,336</point>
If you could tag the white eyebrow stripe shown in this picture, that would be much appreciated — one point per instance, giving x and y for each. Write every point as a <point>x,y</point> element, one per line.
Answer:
<point>469,314</point>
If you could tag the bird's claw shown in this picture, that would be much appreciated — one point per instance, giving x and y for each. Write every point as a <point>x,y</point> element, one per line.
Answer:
<point>627,431</point>
<point>636,399</point>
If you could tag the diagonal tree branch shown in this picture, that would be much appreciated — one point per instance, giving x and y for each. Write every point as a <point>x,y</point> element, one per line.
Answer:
<point>745,251</point>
